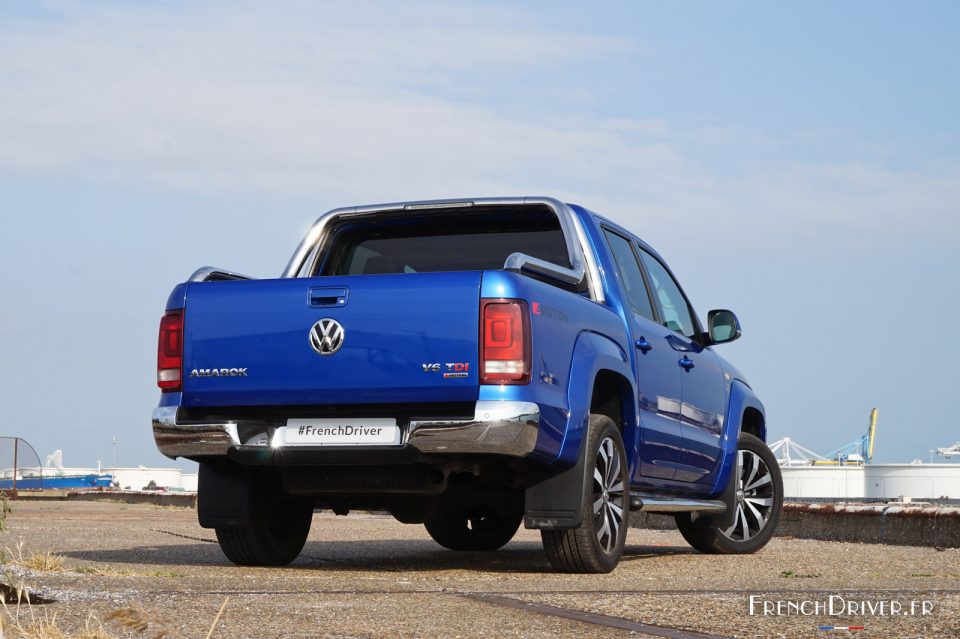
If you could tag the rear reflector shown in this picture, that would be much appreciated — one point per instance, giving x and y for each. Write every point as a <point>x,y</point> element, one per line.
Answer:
<point>504,342</point>
<point>170,351</point>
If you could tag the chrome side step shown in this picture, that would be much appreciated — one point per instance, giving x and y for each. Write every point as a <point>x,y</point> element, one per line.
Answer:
<point>676,505</point>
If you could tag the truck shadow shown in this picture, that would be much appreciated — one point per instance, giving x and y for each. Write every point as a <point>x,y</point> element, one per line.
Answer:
<point>364,555</point>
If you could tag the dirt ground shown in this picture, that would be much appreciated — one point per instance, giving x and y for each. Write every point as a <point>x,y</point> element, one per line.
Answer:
<point>147,571</point>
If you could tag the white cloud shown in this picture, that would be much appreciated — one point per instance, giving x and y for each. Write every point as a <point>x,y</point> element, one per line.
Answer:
<point>244,99</point>
<point>389,101</point>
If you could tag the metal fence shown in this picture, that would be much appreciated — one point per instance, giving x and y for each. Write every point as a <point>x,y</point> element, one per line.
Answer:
<point>20,467</point>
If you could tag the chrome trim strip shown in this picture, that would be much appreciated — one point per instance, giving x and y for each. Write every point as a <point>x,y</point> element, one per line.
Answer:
<point>679,505</point>
<point>498,428</point>
<point>311,239</point>
<point>577,270</point>
<point>496,410</point>
<point>191,440</point>
<point>165,416</point>
<point>581,259</point>
<point>593,270</point>
<point>214,274</point>
<point>524,262</point>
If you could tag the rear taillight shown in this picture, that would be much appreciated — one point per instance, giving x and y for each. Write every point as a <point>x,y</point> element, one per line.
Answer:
<point>170,351</point>
<point>504,342</point>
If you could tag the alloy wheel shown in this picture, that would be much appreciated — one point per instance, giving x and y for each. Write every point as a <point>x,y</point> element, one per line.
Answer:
<point>754,497</point>
<point>608,495</point>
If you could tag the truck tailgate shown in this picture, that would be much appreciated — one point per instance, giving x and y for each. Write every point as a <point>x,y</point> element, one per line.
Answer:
<point>249,342</point>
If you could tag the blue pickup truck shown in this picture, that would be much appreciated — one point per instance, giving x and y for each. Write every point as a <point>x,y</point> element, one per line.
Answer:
<point>468,365</point>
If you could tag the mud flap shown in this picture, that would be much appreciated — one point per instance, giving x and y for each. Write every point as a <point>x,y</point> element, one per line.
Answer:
<point>223,497</point>
<point>725,519</point>
<point>554,503</point>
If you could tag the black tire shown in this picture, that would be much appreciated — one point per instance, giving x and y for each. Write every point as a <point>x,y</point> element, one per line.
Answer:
<point>759,500</point>
<point>474,526</point>
<point>596,545</point>
<point>275,536</point>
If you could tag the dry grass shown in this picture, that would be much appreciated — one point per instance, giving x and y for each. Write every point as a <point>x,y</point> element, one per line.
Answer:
<point>162,573</point>
<point>48,629</point>
<point>112,571</point>
<point>4,510</point>
<point>23,623</point>
<point>100,571</point>
<point>131,619</point>
<point>213,626</point>
<point>51,562</point>
<point>27,625</point>
<point>48,562</point>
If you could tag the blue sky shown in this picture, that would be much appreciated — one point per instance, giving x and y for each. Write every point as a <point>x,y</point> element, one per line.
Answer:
<point>795,162</point>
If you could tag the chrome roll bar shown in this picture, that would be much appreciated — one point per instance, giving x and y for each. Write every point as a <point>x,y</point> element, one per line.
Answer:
<point>582,262</point>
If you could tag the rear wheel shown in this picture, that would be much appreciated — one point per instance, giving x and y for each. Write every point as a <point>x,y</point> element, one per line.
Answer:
<point>474,526</point>
<point>276,534</point>
<point>596,545</point>
<point>759,498</point>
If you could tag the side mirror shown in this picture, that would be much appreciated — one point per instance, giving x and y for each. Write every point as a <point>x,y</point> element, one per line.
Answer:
<point>722,326</point>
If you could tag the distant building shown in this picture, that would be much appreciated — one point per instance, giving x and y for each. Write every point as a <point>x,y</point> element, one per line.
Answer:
<point>873,481</point>
<point>139,477</point>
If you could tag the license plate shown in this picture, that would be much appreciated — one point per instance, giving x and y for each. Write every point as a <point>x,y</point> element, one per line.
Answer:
<point>338,432</point>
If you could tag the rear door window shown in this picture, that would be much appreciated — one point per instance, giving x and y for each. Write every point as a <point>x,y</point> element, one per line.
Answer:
<point>630,275</point>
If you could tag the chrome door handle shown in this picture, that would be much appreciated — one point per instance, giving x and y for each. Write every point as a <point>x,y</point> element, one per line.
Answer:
<point>644,346</point>
<point>685,363</point>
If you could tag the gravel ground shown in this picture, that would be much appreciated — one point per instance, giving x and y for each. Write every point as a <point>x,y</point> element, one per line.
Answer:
<point>369,576</point>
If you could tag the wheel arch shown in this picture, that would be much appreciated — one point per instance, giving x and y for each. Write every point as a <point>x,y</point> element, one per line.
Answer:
<point>612,395</point>
<point>745,413</point>
<point>600,379</point>
<point>752,421</point>
<point>597,362</point>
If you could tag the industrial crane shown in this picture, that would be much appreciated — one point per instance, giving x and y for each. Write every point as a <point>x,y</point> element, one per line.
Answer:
<point>791,453</point>
<point>857,452</point>
<point>949,451</point>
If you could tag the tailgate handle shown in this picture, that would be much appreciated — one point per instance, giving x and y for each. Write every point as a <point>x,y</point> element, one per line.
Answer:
<point>321,296</point>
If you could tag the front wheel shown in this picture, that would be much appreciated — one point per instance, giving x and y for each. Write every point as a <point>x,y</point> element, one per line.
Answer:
<point>759,498</point>
<point>596,545</point>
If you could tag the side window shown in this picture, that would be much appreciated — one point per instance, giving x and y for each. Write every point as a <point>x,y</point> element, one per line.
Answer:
<point>676,311</point>
<point>630,275</point>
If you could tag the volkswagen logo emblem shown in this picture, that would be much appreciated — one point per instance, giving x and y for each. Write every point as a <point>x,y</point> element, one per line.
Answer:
<point>326,336</point>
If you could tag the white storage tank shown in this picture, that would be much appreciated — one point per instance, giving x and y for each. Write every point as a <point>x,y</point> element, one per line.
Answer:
<point>188,482</point>
<point>872,481</point>
<point>140,477</point>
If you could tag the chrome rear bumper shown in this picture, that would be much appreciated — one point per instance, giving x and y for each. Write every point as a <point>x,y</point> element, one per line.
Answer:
<point>191,440</point>
<point>497,428</point>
